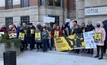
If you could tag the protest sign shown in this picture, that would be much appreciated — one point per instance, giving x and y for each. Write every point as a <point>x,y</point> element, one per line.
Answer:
<point>98,37</point>
<point>12,35</point>
<point>89,40</point>
<point>61,44</point>
<point>21,36</point>
<point>49,19</point>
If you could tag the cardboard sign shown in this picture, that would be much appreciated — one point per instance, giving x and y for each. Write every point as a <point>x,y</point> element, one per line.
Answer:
<point>12,35</point>
<point>61,44</point>
<point>98,37</point>
<point>56,34</point>
<point>32,31</point>
<point>37,35</point>
<point>21,36</point>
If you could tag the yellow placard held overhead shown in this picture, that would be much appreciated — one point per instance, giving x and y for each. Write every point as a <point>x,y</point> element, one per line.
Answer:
<point>21,36</point>
<point>56,34</point>
<point>32,31</point>
<point>62,44</point>
<point>37,35</point>
<point>98,37</point>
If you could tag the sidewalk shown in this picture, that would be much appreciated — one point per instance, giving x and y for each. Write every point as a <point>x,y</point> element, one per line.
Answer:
<point>56,58</point>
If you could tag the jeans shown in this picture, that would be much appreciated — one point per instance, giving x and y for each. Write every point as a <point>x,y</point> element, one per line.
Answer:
<point>44,42</point>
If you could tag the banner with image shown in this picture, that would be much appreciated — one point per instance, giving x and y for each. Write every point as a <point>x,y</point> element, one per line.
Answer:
<point>61,44</point>
<point>89,39</point>
<point>98,37</point>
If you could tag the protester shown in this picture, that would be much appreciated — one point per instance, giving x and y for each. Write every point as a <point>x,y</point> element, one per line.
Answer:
<point>38,39</point>
<point>77,30</point>
<point>44,39</point>
<point>64,32</point>
<point>100,45</point>
<point>67,28</point>
<point>31,35</point>
<point>49,28</point>
<point>89,27</point>
<point>83,27</point>
<point>4,29</point>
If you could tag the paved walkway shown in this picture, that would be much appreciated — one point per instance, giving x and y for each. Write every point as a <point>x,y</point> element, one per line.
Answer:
<point>56,58</point>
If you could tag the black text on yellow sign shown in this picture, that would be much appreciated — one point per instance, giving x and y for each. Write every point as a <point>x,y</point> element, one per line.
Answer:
<point>21,36</point>
<point>32,31</point>
<point>56,34</point>
<point>98,37</point>
<point>61,44</point>
<point>37,35</point>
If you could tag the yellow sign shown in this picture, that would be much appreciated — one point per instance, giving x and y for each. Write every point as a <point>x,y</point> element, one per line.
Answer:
<point>25,31</point>
<point>37,35</point>
<point>32,31</point>
<point>62,44</point>
<point>98,37</point>
<point>21,36</point>
<point>49,33</point>
<point>56,34</point>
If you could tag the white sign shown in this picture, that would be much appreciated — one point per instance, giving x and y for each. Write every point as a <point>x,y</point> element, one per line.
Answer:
<point>89,40</point>
<point>49,19</point>
<point>1,33</point>
<point>96,11</point>
<point>67,20</point>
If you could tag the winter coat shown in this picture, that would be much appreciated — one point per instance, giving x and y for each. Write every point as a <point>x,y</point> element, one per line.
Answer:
<point>44,35</point>
<point>89,28</point>
<point>4,29</point>
<point>77,31</point>
<point>102,31</point>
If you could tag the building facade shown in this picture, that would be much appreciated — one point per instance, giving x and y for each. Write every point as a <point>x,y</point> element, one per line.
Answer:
<point>26,11</point>
<point>94,10</point>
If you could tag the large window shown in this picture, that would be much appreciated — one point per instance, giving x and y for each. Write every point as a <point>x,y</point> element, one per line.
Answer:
<point>50,2</point>
<point>8,21</point>
<point>25,19</point>
<point>24,3</point>
<point>8,4</point>
<point>57,3</point>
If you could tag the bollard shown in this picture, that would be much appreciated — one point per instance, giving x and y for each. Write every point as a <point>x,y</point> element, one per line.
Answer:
<point>9,58</point>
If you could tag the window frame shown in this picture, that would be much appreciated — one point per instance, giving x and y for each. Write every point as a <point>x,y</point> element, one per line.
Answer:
<point>8,6</point>
<point>22,3</point>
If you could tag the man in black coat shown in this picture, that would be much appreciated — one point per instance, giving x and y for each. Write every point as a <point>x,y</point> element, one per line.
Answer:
<point>31,35</point>
<point>89,27</point>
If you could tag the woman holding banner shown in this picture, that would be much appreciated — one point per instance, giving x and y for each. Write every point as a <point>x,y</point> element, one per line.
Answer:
<point>99,39</point>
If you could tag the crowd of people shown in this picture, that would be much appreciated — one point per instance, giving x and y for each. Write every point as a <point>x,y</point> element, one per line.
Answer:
<point>43,36</point>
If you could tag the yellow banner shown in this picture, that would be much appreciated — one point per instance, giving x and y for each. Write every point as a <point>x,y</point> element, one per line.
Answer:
<point>62,44</point>
<point>21,36</point>
<point>32,31</point>
<point>56,34</point>
<point>37,35</point>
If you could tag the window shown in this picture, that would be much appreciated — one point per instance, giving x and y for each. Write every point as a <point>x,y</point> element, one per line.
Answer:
<point>8,21</point>
<point>8,4</point>
<point>25,19</point>
<point>50,2</point>
<point>24,3</point>
<point>57,2</point>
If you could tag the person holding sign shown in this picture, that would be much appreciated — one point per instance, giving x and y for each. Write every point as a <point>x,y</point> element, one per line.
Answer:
<point>38,39</point>
<point>44,39</point>
<point>100,34</point>
<point>57,32</point>
<point>31,35</point>
<point>22,38</point>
